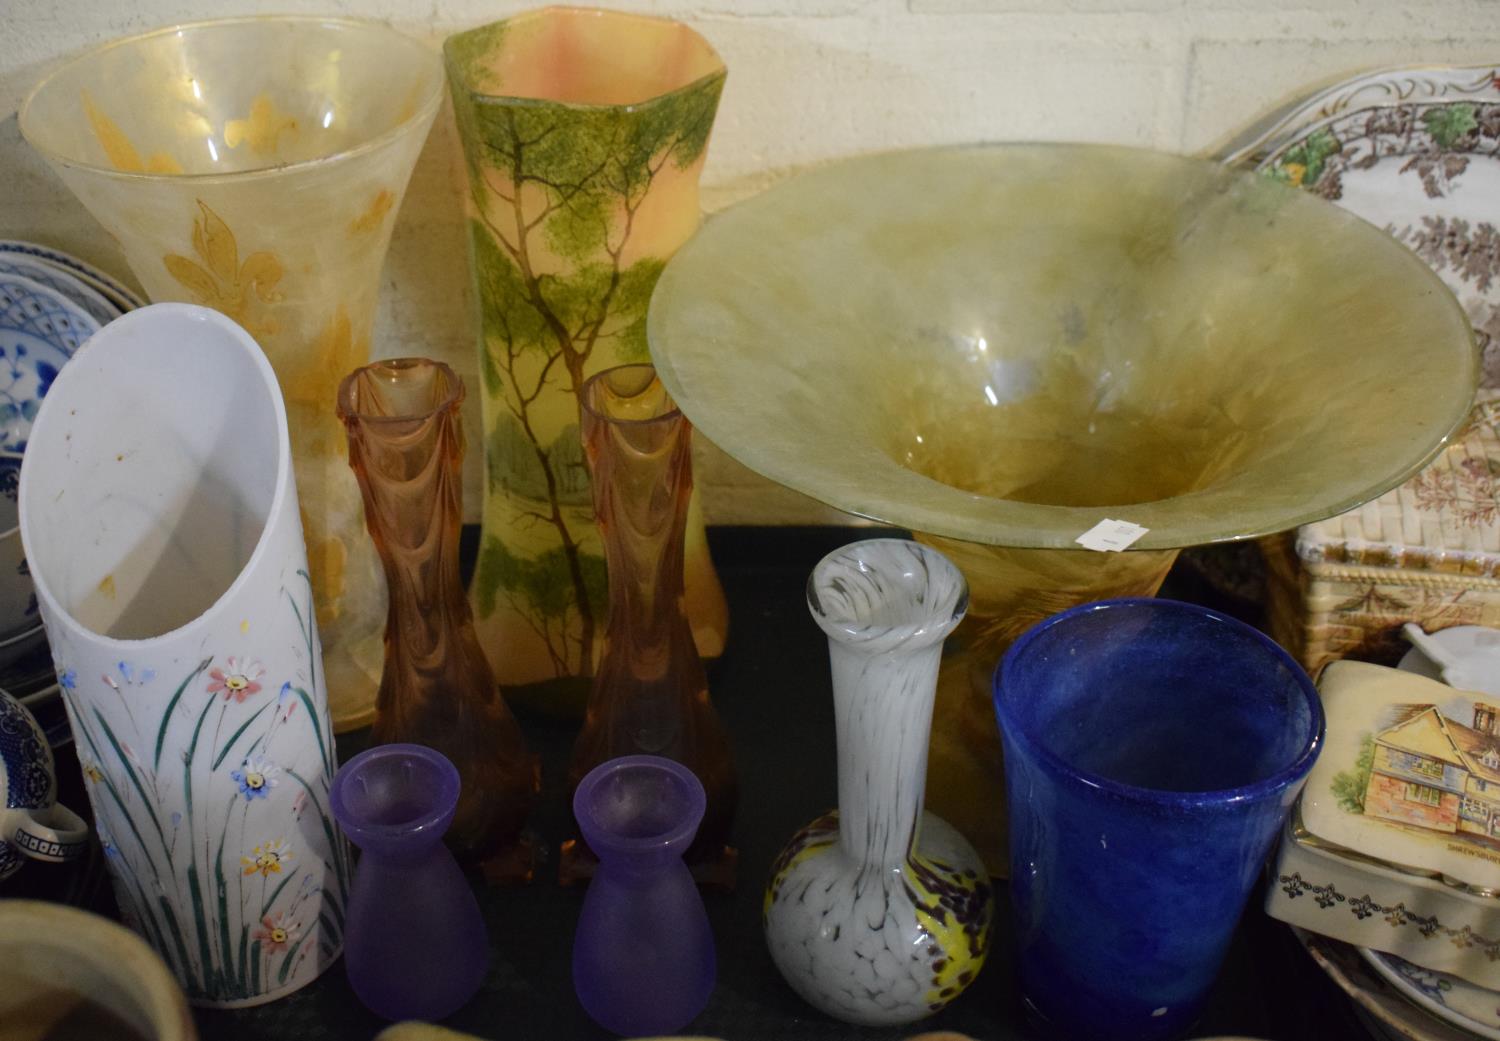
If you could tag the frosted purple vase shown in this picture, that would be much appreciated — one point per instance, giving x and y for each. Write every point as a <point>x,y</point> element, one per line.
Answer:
<point>415,946</point>
<point>643,956</point>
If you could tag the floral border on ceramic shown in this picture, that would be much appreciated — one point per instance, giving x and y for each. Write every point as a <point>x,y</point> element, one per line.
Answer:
<point>1397,915</point>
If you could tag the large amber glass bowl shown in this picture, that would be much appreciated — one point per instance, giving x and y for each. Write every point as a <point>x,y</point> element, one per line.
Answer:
<point>256,165</point>
<point>1005,344</point>
<point>998,347</point>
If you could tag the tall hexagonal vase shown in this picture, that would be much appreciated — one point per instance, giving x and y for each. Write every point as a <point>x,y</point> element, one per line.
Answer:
<point>255,166</point>
<point>584,133</point>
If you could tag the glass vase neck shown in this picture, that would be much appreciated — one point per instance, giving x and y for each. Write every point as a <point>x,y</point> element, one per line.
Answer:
<point>406,446</point>
<point>886,606</point>
<point>639,448</point>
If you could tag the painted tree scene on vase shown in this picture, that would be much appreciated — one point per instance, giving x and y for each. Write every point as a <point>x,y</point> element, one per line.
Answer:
<point>583,180</point>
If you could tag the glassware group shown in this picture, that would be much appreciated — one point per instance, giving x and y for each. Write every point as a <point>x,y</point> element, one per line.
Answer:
<point>251,170</point>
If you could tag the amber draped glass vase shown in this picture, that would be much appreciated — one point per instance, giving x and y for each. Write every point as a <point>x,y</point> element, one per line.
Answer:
<point>584,133</point>
<point>650,693</point>
<point>437,689</point>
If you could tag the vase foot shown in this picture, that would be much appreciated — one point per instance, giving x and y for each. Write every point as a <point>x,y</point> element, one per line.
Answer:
<point>516,864</point>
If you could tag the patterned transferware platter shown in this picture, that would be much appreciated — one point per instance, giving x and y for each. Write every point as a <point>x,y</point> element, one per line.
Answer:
<point>40,329</point>
<point>108,286</point>
<point>1416,151</point>
<point>63,282</point>
<point>1458,1001</point>
<point>1377,88</point>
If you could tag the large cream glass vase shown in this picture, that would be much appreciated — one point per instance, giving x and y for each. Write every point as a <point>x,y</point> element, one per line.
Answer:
<point>255,165</point>
<point>584,133</point>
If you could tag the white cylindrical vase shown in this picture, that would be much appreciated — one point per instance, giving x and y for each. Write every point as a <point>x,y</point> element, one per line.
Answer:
<point>159,515</point>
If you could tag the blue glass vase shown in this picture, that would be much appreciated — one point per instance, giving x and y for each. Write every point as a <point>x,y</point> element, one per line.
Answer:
<point>1152,750</point>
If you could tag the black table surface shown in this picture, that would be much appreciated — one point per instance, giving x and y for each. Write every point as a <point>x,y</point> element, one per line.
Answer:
<point>772,688</point>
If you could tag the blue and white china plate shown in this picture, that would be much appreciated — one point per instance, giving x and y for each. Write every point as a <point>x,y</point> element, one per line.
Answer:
<point>40,329</point>
<point>61,281</point>
<point>85,272</point>
<point>1456,1000</point>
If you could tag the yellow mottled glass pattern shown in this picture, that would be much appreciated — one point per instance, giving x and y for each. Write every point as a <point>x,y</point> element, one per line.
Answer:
<point>1000,346</point>
<point>255,165</point>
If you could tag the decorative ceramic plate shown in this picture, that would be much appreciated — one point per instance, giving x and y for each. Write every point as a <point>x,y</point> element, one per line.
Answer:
<point>1381,1005</point>
<point>109,286</point>
<point>1417,152</point>
<point>1375,89</point>
<point>61,281</point>
<point>39,331</point>
<point>1456,1000</point>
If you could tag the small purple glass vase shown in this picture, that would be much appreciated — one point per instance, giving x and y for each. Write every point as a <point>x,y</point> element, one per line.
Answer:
<point>643,956</point>
<point>415,946</point>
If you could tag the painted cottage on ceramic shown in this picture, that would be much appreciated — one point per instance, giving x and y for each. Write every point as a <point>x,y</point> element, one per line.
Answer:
<point>1430,771</point>
<point>1394,843</point>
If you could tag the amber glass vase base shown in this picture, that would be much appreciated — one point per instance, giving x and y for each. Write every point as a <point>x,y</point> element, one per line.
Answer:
<point>576,864</point>
<point>563,698</point>
<point>516,864</point>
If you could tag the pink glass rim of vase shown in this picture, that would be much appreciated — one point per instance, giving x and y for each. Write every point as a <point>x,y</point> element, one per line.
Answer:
<point>37,136</point>
<point>628,382</point>
<point>688,806</point>
<point>577,61</point>
<point>361,406</point>
<point>147,316</point>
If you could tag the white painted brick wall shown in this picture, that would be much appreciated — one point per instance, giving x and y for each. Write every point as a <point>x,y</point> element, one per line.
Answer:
<point>811,80</point>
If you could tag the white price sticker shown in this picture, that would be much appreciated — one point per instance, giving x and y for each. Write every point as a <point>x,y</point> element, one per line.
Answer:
<point>1111,536</point>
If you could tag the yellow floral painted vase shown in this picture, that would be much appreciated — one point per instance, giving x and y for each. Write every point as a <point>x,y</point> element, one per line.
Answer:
<point>584,133</point>
<point>878,913</point>
<point>255,166</point>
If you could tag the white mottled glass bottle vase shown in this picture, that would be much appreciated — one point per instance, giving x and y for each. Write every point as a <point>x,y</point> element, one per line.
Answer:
<point>878,913</point>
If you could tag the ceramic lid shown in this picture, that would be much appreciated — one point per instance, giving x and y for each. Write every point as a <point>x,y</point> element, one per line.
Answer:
<point>1409,775</point>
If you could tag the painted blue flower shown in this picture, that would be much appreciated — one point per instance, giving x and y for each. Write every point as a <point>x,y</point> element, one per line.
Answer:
<point>135,675</point>
<point>256,777</point>
<point>68,679</point>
